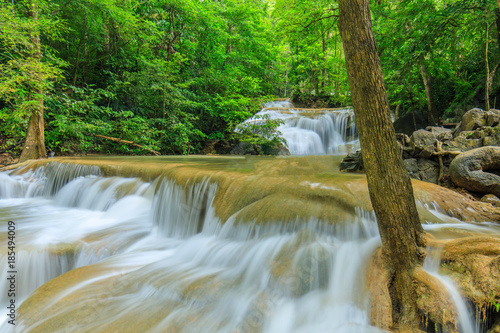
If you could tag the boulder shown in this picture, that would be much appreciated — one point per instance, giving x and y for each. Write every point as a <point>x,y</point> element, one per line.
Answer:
<point>428,170</point>
<point>421,139</point>
<point>412,167</point>
<point>469,170</point>
<point>492,117</point>
<point>491,141</point>
<point>403,139</point>
<point>4,157</point>
<point>441,133</point>
<point>270,148</point>
<point>471,120</point>
<point>427,152</point>
<point>464,144</point>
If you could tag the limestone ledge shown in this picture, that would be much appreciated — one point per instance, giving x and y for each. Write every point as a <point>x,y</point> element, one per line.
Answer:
<point>281,189</point>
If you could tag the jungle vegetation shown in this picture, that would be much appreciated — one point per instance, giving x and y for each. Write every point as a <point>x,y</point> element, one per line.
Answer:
<point>174,76</point>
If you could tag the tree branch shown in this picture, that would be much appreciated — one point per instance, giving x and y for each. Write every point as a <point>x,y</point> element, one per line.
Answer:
<point>124,141</point>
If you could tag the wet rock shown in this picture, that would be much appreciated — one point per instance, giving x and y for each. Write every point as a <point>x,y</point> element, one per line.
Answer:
<point>492,199</point>
<point>421,139</point>
<point>428,170</point>
<point>352,162</point>
<point>468,170</point>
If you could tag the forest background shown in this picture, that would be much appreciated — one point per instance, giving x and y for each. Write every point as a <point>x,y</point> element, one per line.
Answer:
<point>176,76</point>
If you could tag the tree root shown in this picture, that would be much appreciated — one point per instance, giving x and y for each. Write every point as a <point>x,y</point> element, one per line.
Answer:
<point>472,262</point>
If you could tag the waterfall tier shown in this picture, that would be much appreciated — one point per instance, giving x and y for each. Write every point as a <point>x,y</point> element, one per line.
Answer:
<point>198,245</point>
<point>312,131</point>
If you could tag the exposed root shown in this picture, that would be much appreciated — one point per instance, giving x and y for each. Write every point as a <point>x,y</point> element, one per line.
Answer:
<point>473,263</point>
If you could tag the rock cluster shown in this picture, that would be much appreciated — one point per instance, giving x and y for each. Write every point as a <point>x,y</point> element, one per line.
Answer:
<point>428,152</point>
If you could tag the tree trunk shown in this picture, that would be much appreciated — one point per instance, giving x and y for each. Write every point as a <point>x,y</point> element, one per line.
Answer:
<point>389,184</point>
<point>34,147</point>
<point>487,64</point>
<point>432,113</point>
<point>497,21</point>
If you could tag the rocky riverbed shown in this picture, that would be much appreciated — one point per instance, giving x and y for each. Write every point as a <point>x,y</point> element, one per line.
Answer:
<point>428,154</point>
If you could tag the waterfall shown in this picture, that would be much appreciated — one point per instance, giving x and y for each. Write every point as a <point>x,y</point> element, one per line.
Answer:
<point>182,212</point>
<point>116,254</point>
<point>431,266</point>
<point>312,131</point>
<point>162,242</point>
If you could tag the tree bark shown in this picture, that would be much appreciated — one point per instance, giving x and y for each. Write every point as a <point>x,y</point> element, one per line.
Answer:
<point>34,147</point>
<point>389,184</point>
<point>432,113</point>
<point>487,64</point>
<point>497,21</point>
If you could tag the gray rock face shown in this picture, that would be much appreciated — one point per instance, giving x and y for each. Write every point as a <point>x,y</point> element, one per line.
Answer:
<point>469,170</point>
<point>428,170</point>
<point>428,153</point>
<point>492,117</point>
<point>441,133</point>
<point>421,139</point>
<point>473,119</point>
<point>412,167</point>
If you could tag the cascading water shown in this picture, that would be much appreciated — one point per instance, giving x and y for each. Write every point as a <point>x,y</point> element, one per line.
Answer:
<point>126,255</point>
<point>312,131</point>
<point>158,246</point>
<point>431,265</point>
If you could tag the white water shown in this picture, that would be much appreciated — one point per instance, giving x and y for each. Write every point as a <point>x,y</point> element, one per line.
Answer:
<point>465,321</point>
<point>156,251</point>
<point>309,132</point>
<point>158,238</point>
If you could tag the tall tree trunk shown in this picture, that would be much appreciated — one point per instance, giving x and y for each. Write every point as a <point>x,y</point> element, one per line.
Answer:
<point>487,64</point>
<point>432,113</point>
<point>34,147</point>
<point>410,92</point>
<point>389,184</point>
<point>497,21</point>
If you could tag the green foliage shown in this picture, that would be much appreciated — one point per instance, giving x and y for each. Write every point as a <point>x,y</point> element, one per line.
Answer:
<point>24,70</point>
<point>260,130</point>
<point>317,64</point>
<point>172,74</point>
<point>448,38</point>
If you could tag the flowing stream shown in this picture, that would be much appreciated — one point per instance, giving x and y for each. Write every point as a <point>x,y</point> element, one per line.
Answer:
<point>312,131</point>
<point>431,265</point>
<point>114,254</point>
